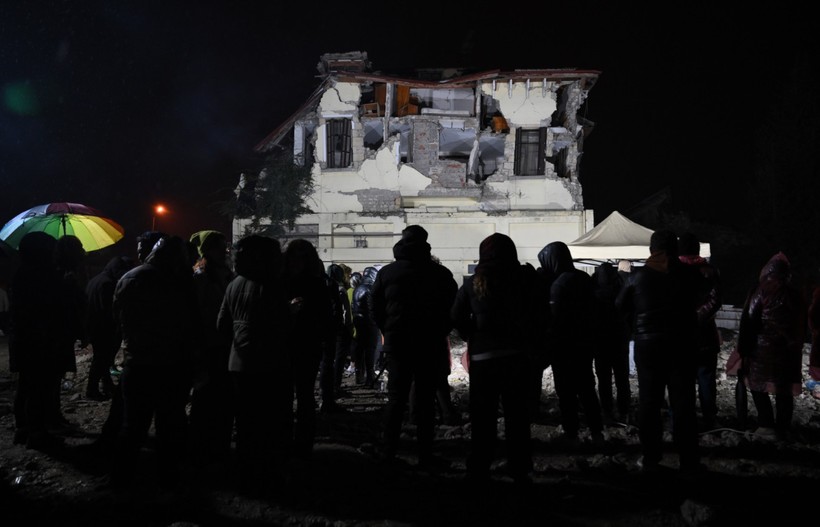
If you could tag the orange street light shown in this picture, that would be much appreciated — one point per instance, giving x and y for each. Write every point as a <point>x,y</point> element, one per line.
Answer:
<point>159,210</point>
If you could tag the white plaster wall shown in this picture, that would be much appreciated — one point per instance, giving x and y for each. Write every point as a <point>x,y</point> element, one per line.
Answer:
<point>536,192</point>
<point>523,108</point>
<point>382,171</point>
<point>411,181</point>
<point>342,98</point>
<point>454,237</point>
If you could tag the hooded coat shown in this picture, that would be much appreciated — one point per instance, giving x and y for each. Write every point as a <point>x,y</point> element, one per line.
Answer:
<point>572,299</point>
<point>773,321</point>
<point>155,304</point>
<point>253,309</point>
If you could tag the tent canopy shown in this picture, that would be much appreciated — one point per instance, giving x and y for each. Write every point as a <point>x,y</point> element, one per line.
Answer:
<point>616,238</point>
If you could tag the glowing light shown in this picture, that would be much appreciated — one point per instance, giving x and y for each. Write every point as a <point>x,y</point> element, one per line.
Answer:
<point>159,210</point>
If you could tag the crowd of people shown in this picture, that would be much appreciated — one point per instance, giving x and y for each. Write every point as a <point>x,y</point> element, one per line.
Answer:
<point>223,348</point>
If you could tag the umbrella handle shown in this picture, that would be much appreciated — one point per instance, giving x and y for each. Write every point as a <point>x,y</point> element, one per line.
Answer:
<point>63,221</point>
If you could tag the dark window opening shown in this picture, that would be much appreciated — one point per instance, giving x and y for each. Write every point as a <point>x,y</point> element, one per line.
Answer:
<point>530,152</point>
<point>339,143</point>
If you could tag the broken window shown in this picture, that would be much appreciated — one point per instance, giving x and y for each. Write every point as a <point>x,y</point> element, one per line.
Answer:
<point>373,133</point>
<point>530,151</point>
<point>456,142</point>
<point>339,144</point>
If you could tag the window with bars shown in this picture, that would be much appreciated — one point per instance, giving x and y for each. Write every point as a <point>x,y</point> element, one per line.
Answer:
<point>530,152</point>
<point>339,146</point>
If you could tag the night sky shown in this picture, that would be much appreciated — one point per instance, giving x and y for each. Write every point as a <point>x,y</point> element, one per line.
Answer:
<point>120,105</point>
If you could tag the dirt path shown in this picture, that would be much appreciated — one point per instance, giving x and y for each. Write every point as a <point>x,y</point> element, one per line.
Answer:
<point>750,479</point>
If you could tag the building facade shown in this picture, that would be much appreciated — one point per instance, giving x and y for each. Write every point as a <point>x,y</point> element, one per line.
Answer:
<point>462,155</point>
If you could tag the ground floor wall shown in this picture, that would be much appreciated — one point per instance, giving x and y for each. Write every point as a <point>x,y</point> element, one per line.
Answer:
<point>360,240</point>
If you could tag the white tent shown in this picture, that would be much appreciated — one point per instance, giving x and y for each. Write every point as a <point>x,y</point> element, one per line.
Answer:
<point>616,238</point>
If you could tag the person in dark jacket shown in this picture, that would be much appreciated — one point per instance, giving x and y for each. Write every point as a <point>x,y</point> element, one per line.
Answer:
<point>411,301</point>
<point>497,311</point>
<point>333,361</point>
<point>311,330</point>
<point>774,324</point>
<point>254,316</point>
<point>660,298</point>
<point>36,304</point>
<point>155,304</point>
<point>709,302</point>
<point>69,257</point>
<point>367,333</point>
<point>611,344</point>
<point>102,330</point>
<point>106,443</point>
<point>572,310</point>
<point>211,417</point>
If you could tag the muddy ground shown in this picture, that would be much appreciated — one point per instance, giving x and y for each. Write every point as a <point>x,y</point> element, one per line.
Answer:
<point>751,479</point>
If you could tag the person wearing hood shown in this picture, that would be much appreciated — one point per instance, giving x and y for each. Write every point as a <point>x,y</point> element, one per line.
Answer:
<point>411,301</point>
<point>254,315</point>
<point>211,416</point>
<point>155,304</point>
<point>774,324</point>
<point>661,300</point>
<point>101,328</point>
<point>708,347</point>
<point>570,335</point>
<point>497,311</point>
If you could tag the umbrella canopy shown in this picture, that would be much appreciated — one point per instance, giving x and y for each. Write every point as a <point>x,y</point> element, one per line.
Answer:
<point>6,250</point>
<point>94,230</point>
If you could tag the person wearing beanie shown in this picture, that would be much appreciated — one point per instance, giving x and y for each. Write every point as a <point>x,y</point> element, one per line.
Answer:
<point>411,301</point>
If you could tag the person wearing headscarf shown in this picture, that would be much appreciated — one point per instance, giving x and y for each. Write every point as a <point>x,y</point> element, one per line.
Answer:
<point>155,305</point>
<point>572,312</point>
<point>411,300</point>
<point>497,312</point>
<point>36,304</point>
<point>661,300</point>
<point>773,322</point>
<point>211,416</point>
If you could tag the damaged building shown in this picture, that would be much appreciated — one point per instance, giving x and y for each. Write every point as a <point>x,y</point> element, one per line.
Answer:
<point>462,154</point>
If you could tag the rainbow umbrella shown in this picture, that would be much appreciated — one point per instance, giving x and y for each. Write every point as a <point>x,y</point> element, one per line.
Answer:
<point>94,230</point>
